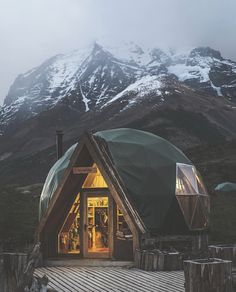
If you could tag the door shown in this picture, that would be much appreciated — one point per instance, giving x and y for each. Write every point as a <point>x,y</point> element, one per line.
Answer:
<point>98,223</point>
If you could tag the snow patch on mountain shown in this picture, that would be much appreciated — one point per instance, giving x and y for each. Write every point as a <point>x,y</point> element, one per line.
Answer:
<point>142,87</point>
<point>94,77</point>
<point>217,89</point>
<point>193,67</point>
<point>63,70</point>
<point>185,72</point>
<point>85,100</point>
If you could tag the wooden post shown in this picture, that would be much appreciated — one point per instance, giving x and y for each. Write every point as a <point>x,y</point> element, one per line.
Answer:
<point>143,259</point>
<point>137,258</point>
<point>157,260</point>
<point>149,259</point>
<point>17,272</point>
<point>211,275</point>
<point>13,267</point>
<point>224,252</point>
<point>173,261</point>
<point>161,261</point>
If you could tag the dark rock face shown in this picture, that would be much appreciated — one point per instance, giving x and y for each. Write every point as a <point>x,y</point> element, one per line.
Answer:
<point>206,52</point>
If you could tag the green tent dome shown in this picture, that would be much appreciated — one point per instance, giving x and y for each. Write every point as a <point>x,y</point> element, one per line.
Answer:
<point>226,187</point>
<point>148,166</point>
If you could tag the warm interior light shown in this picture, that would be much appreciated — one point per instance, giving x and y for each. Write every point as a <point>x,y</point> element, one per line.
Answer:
<point>68,238</point>
<point>123,231</point>
<point>97,212</point>
<point>98,224</point>
<point>95,180</point>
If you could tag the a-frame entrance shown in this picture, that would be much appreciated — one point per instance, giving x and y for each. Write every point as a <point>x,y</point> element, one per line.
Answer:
<point>88,227</point>
<point>94,222</point>
<point>89,214</point>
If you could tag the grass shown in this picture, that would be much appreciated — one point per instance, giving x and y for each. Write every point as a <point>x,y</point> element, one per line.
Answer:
<point>223,218</point>
<point>18,218</point>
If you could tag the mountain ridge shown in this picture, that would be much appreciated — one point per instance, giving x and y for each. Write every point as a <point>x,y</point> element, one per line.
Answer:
<point>86,79</point>
<point>108,91</point>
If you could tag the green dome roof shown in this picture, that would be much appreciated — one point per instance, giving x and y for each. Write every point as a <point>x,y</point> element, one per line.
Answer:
<point>146,164</point>
<point>226,187</point>
<point>53,179</point>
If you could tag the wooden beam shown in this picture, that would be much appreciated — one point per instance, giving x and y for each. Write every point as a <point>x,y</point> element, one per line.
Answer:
<point>116,190</point>
<point>84,170</point>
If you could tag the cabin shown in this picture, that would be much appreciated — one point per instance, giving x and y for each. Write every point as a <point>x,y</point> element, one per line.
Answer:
<point>121,190</point>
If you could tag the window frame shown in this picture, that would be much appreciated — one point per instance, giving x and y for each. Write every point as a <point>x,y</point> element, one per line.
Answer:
<point>196,174</point>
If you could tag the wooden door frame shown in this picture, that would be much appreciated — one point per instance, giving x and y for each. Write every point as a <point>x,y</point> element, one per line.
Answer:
<point>97,192</point>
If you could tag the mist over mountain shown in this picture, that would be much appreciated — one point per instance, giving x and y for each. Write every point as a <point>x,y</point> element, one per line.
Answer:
<point>92,78</point>
<point>27,40</point>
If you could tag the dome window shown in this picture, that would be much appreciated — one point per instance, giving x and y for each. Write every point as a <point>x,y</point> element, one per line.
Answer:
<point>192,196</point>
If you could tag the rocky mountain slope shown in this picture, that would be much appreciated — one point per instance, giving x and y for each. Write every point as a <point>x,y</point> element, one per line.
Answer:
<point>90,78</point>
<point>188,98</point>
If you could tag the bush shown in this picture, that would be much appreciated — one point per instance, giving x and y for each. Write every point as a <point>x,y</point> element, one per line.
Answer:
<point>18,218</point>
<point>223,218</point>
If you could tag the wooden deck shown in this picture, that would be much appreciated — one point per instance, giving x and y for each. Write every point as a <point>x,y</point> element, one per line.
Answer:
<point>108,279</point>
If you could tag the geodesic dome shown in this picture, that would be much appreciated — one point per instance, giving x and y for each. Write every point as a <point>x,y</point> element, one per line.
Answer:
<point>151,169</point>
<point>160,181</point>
<point>226,187</point>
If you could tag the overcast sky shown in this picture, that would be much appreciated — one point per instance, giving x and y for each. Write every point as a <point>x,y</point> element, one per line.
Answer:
<point>34,30</point>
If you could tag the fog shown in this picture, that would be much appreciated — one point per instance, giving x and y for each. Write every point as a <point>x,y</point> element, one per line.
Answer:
<point>34,30</point>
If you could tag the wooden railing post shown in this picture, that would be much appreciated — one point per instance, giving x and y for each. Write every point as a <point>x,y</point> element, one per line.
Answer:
<point>13,268</point>
<point>17,272</point>
<point>208,275</point>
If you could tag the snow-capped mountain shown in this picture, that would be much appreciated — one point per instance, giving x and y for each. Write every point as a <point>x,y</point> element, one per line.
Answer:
<point>205,69</point>
<point>188,98</point>
<point>90,79</point>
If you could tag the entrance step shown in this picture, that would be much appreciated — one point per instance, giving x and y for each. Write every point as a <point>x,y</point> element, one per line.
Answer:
<point>86,263</point>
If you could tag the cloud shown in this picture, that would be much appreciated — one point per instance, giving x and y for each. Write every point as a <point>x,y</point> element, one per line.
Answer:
<point>34,30</point>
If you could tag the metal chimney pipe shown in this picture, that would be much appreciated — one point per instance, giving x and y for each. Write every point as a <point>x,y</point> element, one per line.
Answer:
<point>59,144</point>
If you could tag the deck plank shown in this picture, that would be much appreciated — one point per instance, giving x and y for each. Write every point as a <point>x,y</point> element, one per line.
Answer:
<point>82,280</point>
<point>148,280</point>
<point>111,284</point>
<point>141,284</point>
<point>120,283</point>
<point>111,279</point>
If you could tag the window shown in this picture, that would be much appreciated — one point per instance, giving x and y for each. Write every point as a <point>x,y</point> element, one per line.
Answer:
<point>123,231</point>
<point>95,180</point>
<point>69,236</point>
<point>188,180</point>
<point>192,196</point>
